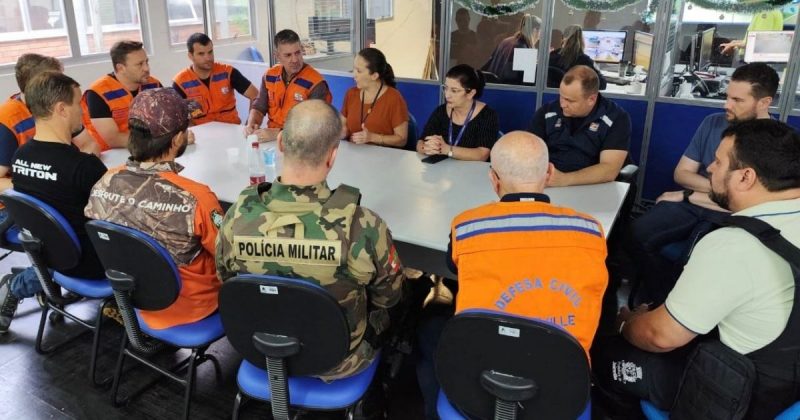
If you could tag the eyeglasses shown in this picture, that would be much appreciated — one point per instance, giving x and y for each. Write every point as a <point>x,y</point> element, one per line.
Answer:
<point>454,91</point>
<point>495,172</point>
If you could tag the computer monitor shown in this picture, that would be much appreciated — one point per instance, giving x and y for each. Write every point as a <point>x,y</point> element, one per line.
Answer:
<point>706,48</point>
<point>604,46</point>
<point>642,48</point>
<point>768,46</point>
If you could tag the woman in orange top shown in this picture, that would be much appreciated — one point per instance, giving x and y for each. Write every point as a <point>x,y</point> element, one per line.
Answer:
<point>375,111</point>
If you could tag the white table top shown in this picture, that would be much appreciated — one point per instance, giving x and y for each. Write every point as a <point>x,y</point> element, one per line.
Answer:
<point>417,200</point>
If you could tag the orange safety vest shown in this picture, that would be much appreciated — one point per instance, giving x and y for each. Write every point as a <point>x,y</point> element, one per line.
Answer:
<point>119,101</point>
<point>532,259</point>
<point>15,115</point>
<point>217,100</point>
<point>282,97</point>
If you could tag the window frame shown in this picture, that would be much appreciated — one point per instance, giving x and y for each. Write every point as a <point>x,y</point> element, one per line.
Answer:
<point>70,32</point>
<point>209,14</point>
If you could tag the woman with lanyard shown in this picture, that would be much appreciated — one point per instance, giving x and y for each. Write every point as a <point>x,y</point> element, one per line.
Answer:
<point>374,110</point>
<point>462,128</point>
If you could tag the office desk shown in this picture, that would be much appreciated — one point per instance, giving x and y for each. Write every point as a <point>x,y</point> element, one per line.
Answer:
<point>416,199</point>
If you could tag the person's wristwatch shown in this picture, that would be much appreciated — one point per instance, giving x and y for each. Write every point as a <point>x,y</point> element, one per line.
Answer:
<point>686,194</point>
<point>450,152</point>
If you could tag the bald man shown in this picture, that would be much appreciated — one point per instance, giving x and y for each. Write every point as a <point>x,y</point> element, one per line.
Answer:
<point>363,272</point>
<point>522,255</point>
<point>563,277</point>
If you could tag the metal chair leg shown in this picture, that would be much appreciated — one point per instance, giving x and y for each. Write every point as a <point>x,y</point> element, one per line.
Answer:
<point>190,375</point>
<point>240,400</point>
<point>39,348</point>
<point>95,348</point>
<point>118,373</point>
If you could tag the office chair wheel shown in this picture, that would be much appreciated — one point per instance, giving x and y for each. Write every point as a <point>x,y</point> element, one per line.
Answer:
<point>55,318</point>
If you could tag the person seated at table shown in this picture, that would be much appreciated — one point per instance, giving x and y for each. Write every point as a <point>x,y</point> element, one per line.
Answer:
<point>487,244</point>
<point>571,54</point>
<point>502,59</point>
<point>285,85</point>
<point>67,177</point>
<point>16,122</point>
<point>374,110</point>
<point>107,101</point>
<point>587,135</point>
<point>686,215</point>
<point>463,127</point>
<point>190,216</point>
<point>211,85</point>
<point>367,275</point>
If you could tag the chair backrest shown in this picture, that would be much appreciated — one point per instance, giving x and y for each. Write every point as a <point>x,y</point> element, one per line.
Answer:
<point>490,77</point>
<point>474,342</point>
<point>411,142</point>
<point>554,76</point>
<point>297,308</point>
<point>157,282</point>
<point>61,249</point>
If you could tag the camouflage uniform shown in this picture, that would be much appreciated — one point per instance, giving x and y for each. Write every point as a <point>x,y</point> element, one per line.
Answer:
<point>182,215</point>
<point>312,233</point>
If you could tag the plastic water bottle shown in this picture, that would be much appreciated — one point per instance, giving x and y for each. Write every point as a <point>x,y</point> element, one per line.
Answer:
<point>255,163</point>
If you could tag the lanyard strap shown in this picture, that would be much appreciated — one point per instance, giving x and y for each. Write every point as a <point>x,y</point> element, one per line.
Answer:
<point>463,127</point>
<point>363,117</point>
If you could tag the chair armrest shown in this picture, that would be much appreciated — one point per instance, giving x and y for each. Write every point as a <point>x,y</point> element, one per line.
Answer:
<point>628,173</point>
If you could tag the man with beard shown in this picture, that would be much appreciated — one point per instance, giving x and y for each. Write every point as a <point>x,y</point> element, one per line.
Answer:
<point>688,214</point>
<point>148,189</point>
<point>107,101</point>
<point>732,283</point>
<point>211,85</point>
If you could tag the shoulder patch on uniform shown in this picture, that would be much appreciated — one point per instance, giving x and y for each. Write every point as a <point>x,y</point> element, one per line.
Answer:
<point>216,218</point>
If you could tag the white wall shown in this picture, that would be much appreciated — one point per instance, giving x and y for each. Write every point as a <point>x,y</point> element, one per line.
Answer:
<point>165,60</point>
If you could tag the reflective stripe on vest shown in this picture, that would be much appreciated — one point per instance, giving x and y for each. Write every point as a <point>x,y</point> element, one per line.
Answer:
<point>527,222</point>
<point>118,100</point>
<point>14,114</point>
<point>217,100</point>
<point>532,259</point>
<point>282,97</point>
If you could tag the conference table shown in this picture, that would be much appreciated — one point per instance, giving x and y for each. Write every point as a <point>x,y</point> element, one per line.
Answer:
<point>416,199</point>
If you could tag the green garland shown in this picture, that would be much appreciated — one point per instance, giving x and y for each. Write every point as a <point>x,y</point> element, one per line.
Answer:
<point>504,8</point>
<point>515,6</point>
<point>599,5</point>
<point>740,7</point>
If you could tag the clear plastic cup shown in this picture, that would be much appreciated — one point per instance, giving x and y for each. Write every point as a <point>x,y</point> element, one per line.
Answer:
<point>268,153</point>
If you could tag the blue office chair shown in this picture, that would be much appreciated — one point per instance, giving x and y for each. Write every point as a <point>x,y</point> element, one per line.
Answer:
<point>52,247</point>
<point>9,237</point>
<point>652,412</point>
<point>144,277</point>
<point>493,365</point>
<point>411,143</point>
<point>287,331</point>
<point>251,53</point>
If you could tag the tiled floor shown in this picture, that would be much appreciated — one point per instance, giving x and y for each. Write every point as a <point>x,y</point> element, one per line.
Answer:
<point>56,386</point>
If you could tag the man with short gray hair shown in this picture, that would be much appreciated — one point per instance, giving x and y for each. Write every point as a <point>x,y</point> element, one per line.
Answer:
<point>522,255</point>
<point>488,243</point>
<point>361,268</point>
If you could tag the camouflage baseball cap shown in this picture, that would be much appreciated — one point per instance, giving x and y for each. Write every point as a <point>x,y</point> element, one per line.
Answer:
<point>161,109</point>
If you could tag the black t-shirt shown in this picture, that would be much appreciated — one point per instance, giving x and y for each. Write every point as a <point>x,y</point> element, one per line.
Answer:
<point>61,176</point>
<point>238,82</point>
<point>8,145</point>
<point>481,130</point>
